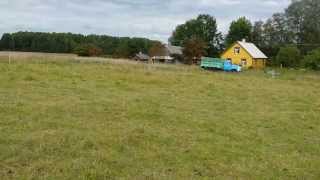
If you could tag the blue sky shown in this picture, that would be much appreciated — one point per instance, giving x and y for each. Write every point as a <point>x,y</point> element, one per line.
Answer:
<point>154,19</point>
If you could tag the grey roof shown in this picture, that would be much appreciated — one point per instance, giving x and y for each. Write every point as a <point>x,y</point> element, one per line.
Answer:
<point>142,56</point>
<point>177,50</point>
<point>253,50</point>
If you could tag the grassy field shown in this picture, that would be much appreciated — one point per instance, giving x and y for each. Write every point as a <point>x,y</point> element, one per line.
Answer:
<point>63,117</point>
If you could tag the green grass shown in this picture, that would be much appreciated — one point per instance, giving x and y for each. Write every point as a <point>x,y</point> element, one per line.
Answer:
<point>104,120</point>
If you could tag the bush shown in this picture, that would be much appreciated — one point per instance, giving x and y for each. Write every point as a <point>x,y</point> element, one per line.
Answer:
<point>288,56</point>
<point>312,60</point>
<point>88,50</point>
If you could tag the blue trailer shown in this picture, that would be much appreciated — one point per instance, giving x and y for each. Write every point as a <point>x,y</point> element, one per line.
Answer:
<point>219,64</point>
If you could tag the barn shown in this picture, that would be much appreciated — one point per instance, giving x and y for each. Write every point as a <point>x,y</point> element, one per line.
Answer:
<point>246,54</point>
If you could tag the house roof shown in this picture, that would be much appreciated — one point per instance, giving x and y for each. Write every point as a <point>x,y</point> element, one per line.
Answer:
<point>142,56</point>
<point>253,50</point>
<point>174,50</point>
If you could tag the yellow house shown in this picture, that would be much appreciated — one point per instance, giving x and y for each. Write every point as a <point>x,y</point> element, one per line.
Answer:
<point>246,54</point>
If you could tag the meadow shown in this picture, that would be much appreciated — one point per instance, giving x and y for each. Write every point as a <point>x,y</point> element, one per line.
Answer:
<point>64,117</point>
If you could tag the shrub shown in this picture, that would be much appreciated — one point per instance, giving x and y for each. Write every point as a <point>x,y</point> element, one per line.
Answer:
<point>312,60</point>
<point>288,56</point>
<point>88,50</point>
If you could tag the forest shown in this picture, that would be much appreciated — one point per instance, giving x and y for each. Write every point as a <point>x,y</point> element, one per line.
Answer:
<point>123,47</point>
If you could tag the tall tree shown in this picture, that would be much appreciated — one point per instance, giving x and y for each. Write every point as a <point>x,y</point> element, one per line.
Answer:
<point>157,49</point>
<point>277,30</point>
<point>239,29</point>
<point>276,34</point>
<point>7,42</point>
<point>204,27</point>
<point>304,21</point>
<point>194,49</point>
<point>258,34</point>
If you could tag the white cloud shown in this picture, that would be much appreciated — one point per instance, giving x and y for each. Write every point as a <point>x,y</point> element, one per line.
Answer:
<point>144,18</point>
<point>217,3</point>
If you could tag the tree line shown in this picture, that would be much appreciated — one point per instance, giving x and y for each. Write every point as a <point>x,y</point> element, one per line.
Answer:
<point>90,45</point>
<point>288,38</point>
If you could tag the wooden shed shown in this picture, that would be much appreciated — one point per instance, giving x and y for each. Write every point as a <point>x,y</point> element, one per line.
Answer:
<point>172,55</point>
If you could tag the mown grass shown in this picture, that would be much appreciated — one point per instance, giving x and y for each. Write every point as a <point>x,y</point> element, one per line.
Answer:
<point>96,119</point>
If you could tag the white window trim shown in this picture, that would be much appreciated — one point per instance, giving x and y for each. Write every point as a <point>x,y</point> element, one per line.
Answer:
<point>237,50</point>
<point>244,62</point>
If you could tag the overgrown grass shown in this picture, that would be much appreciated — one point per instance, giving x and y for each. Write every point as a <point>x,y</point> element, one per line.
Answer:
<point>77,119</point>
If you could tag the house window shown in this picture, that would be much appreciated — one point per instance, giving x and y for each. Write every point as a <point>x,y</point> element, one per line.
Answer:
<point>237,50</point>
<point>243,62</point>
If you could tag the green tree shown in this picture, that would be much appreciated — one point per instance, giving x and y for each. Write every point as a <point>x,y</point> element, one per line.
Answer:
<point>276,31</point>
<point>258,34</point>
<point>239,29</point>
<point>157,49</point>
<point>303,18</point>
<point>288,56</point>
<point>7,42</point>
<point>123,49</point>
<point>88,50</point>
<point>304,21</point>
<point>67,42</point>
<point>204,27</point>
<point>194,49</point>
<point>312,60</point>
<point>276,34</point>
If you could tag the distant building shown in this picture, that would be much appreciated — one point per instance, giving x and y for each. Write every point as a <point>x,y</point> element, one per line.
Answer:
<point>246,54</point>
<point>173,54</point>
<point>141,57</point>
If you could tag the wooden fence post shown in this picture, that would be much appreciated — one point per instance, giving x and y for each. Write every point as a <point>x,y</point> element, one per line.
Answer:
<point>9,57</point>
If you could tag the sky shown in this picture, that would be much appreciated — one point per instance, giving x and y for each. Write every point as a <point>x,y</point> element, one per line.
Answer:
<point>154,19</point>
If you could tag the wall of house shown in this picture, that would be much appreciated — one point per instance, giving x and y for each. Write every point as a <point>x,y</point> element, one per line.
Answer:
<point>237,58</point>
<point>243,54</point>
<point>259,63</point>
